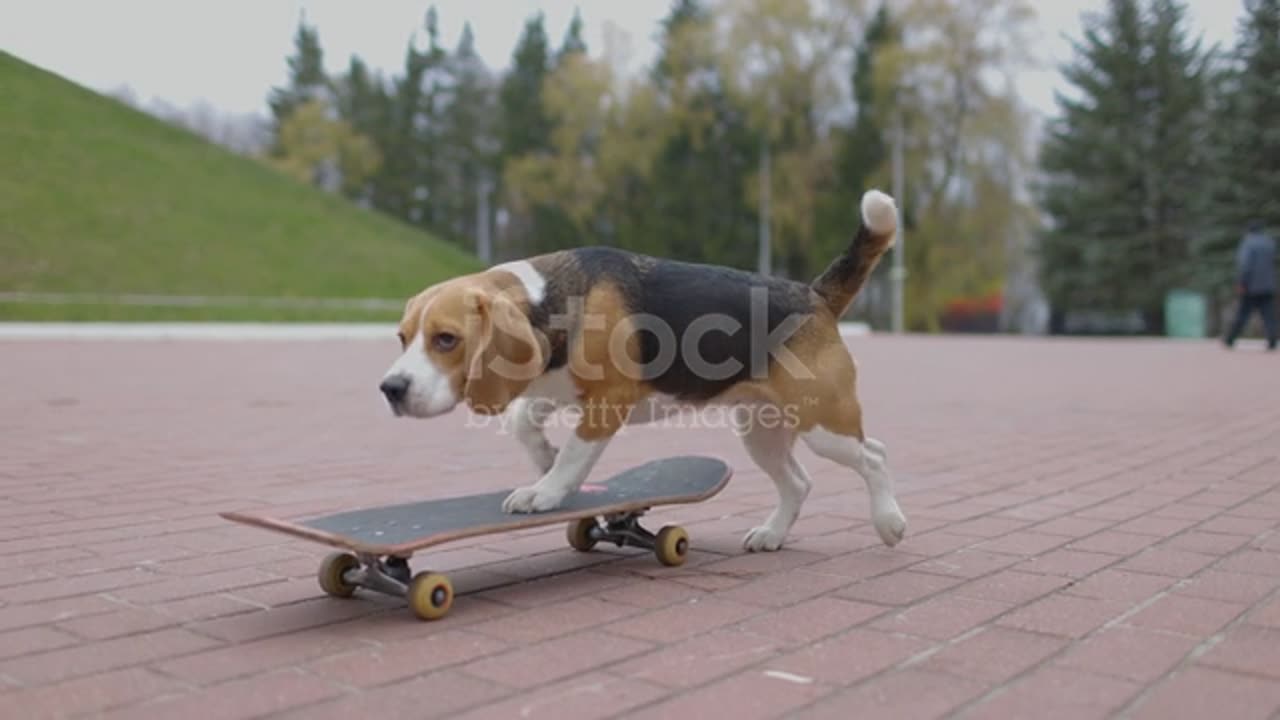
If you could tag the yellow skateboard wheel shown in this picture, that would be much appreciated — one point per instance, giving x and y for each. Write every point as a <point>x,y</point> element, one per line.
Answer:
<point>672,545</point>
<point>430,595</point>
<point>579,534</point>
<point>332,568</point>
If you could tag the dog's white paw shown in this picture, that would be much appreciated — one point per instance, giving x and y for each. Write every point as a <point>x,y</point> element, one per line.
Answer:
<point>763,539</point>
<point>890,523</point>
<point>530,499</point>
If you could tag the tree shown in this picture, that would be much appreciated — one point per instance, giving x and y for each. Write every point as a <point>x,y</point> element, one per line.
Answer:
<point>964,144</point>
<point>321,150</point>
<point>467,139</point>
<point>1245,143</point>
<point>564,176</point>
<point>307,79</point>
<point>780,60</point>
<point>397,184</point>
<point>361,100</point>
<point>526,131</point>
<point>655,164</point>
<point>1123,162</point>
<point>1180,71</point>
<point>695,206</point>
<point>430,193</point>
<point>1091,162</point>
<point>318,136</point>
<point>573,43</point>
<point>862,147</point>
<point>409,185</point>
<point>524,124</point>
<point>604,137</point>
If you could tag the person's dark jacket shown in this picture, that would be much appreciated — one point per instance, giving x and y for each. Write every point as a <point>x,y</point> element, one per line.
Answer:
<point>1256,263</point>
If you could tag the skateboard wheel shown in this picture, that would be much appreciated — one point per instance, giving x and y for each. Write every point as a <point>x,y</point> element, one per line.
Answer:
<point>580,534</point>
<point>671,545</point>
<point>332,569</point>
<point>430,595</point>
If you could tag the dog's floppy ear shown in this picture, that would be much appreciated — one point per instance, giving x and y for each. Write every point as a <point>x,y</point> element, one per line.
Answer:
<point>504,353</point>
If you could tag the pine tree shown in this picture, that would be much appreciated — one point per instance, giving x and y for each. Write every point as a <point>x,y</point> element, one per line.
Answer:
<point>362,102</point>
<point>431,194</point>
<point>409,185</point>
<point>467,138</point>
<point>307,80</point>
<point>1260,50</point>
<point>398,182</point>
<point>1122,162</point>
<point>1246,143</point>
<point>684,14</point>
<point>1176,148</point>
<point>1090,162</point>
<point>694,207</point>
<point>573,43</point>
<point>524,127</point>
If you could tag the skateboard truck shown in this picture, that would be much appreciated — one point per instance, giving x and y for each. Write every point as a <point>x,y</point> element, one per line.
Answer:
<point>398,568</point>
<point>670,545</point>
<point>430,595</point>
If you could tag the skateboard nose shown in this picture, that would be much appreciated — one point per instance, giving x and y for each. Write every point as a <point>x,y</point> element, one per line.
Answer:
<point>395,388</point>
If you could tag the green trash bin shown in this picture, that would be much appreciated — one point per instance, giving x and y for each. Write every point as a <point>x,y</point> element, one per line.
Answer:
<point>1186,314</point>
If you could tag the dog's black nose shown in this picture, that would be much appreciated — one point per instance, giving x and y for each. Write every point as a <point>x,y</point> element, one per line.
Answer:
<point>395,387</point>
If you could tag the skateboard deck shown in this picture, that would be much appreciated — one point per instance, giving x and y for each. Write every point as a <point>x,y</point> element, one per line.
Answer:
<point>384,537</point>
<point>405,528</point>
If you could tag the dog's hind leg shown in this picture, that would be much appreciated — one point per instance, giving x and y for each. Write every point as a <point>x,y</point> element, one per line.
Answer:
<point>771,449</point>
<point>869,459</point>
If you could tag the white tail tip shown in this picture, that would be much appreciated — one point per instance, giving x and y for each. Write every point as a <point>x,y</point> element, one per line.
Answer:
<point>879,213</point>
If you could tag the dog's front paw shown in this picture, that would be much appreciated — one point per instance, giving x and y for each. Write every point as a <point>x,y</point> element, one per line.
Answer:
<point>530,499</point>
<point>763,539</point>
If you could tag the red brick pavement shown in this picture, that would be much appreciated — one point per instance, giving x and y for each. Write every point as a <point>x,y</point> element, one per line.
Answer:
<point>1092,534</point>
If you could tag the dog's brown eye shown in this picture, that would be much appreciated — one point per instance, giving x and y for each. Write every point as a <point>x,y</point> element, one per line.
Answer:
<point>444,342</point>
<point>400,337</point>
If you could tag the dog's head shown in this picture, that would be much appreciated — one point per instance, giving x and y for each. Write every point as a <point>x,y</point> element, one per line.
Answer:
<point>464,339</point>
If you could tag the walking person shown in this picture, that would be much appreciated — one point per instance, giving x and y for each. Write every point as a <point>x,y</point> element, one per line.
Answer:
<point>1255,283</point>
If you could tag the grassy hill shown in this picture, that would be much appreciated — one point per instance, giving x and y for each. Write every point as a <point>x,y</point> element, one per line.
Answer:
<point>96,197</point>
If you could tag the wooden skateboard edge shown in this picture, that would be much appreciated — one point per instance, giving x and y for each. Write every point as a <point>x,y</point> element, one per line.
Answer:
<point>521,521</point>
<point>288,527</point>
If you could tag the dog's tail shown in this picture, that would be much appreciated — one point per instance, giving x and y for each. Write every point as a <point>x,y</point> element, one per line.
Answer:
<point>840,283</point>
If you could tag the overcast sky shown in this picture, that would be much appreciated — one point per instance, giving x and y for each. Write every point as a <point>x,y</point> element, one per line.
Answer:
<point>231,52</point>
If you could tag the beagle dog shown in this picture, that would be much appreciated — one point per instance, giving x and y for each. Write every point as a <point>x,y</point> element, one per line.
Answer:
<point>621,338</point>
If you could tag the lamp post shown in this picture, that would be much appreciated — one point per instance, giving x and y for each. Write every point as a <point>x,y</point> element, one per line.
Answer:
<point>484,243</point>
<point>898,272</point>
<point>764,253</point>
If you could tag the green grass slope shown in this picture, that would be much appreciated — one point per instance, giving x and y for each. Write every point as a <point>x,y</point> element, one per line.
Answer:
<point>96,197</point>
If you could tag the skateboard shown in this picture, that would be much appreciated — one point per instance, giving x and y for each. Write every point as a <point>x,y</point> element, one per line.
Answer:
<point>376,543</point>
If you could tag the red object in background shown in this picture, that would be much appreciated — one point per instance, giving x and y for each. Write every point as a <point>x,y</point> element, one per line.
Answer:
<point>965,306</point>
<point>976,314</point>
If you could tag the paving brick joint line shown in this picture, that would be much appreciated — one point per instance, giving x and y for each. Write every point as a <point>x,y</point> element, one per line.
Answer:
<point>1092,532</point>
